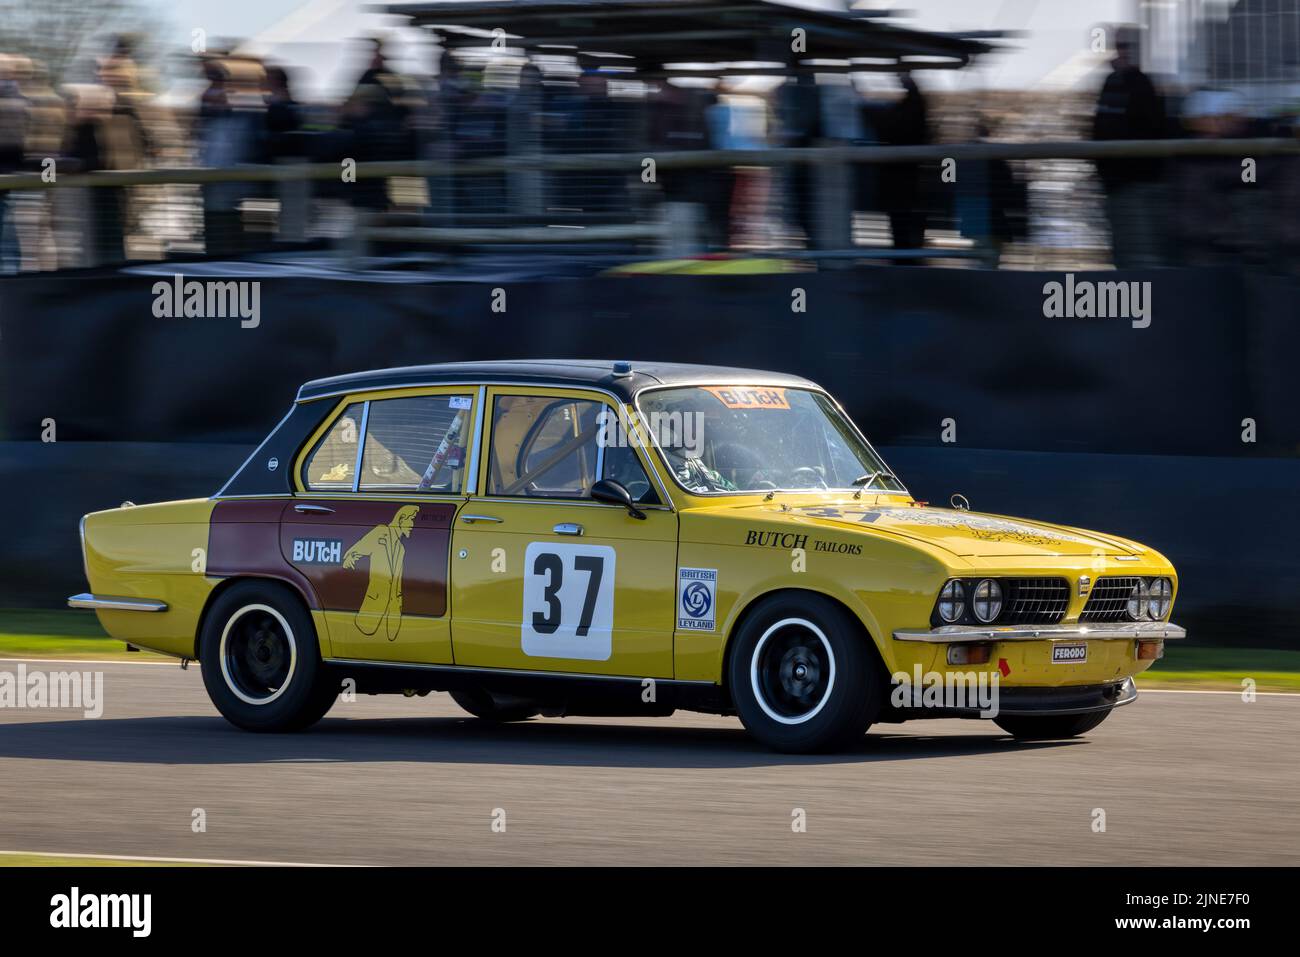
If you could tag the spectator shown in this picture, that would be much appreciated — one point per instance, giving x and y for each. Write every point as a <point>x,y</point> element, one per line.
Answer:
<point>904,124</point>
<point>283,119</point>
<point>87,150</point>
<point>228,133</point>
<point>376,119</point>
<point>14,118</point>
<point>992,203</point>
<point>799,117</point>
<point>1219,218</point>
<point>46,129</point>
<point>1129,108</point>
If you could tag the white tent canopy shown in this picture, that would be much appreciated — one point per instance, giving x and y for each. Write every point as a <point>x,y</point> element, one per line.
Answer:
<point>317,43</point>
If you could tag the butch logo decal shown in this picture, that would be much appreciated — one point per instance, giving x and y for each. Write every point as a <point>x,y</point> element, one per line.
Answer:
<point>749,397</point>
<point>317,551</point>
<point>697,598</point>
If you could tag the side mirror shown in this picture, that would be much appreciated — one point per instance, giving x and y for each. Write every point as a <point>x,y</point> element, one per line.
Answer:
<point>616,493</point>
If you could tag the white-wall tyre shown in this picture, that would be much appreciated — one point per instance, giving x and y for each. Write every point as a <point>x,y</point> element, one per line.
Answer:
<point>803,674</point>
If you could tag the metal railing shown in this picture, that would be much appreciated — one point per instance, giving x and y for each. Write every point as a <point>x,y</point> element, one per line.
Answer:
<point>808,201</point>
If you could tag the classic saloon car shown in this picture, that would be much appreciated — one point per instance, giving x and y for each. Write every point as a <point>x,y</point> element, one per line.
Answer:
<point>618,539</point>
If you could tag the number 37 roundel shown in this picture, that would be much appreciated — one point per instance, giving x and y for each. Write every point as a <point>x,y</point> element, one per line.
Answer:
<point>568,601</point>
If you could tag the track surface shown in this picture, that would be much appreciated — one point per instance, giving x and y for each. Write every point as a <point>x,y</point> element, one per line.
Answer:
<point>1184,778</point>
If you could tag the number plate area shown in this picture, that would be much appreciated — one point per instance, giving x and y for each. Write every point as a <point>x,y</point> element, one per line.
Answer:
<point>568,601</point>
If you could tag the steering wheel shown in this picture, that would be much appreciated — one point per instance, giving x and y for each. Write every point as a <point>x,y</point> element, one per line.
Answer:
<point>733,458</point>
<point>807,471</point>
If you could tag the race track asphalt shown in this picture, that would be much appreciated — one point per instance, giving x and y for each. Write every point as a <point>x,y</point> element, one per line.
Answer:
<point>1183,778</point>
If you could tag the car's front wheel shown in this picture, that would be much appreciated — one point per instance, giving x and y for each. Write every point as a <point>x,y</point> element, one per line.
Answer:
<point>261,662</point>
<point>1028,727</point>
<point>804,675</point>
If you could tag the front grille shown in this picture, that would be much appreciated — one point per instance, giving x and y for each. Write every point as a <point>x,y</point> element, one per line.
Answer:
<point>1108,600</point>
<point>1034,601</point>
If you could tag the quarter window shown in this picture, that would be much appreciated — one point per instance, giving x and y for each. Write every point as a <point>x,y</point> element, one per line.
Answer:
<point>333,463</point>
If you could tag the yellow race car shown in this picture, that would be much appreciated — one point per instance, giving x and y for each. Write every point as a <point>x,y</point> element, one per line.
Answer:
<point>614,538</point>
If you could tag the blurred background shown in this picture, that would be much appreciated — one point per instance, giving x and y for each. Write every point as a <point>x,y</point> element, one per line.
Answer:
<point>656,179</point>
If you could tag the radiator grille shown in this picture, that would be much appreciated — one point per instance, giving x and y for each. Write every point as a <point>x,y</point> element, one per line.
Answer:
<point>1108,600</point>
<point>1034,601</point>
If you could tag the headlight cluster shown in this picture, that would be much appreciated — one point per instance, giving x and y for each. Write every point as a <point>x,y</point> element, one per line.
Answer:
<point>985,601</point>
<point>1150,598</point>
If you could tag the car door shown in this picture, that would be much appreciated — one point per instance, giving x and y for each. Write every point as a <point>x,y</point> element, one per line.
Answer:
<point>370,524</point>
<point>545,579</point>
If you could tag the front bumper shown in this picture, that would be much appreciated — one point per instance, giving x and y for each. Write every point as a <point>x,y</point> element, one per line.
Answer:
<point>1103,631</point>
<point>1073,699</point>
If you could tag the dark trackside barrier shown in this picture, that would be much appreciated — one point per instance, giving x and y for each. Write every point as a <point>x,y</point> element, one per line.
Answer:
<point>1086,421</point>
<point>916,356</point>
<point>1229,525</point>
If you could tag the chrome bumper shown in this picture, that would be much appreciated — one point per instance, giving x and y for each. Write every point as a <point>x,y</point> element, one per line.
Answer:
<point>1104,631</point>
<point>109,603</point>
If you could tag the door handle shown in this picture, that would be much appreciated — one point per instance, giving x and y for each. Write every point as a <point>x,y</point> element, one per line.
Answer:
<point>471,519</point>
<point>567,528</point>
<point>313,509</point>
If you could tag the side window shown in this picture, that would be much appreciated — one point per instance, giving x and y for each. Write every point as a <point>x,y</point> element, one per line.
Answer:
<point>622,465</point>
<point>332,465</point>
<point>549,447</point>
<point>543,446</point>
<point>417,444</point>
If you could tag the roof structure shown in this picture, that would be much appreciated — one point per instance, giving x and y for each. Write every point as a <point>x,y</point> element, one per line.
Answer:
<point>625,382</point>
<point>656,33</point>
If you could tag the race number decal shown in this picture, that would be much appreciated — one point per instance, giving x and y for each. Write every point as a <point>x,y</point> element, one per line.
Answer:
<point>697,593</point>
<point>568,601</point>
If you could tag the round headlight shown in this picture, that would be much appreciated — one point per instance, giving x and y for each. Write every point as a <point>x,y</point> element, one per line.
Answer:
<point>987,601</point>
<point>952,602</point>
<point>1137,600</point>
<point>1158,597</point>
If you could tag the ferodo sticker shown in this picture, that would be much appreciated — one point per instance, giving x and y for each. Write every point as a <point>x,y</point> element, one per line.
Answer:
<point>697,594</point>
<point>750,397</point>
<point>1069,654</point>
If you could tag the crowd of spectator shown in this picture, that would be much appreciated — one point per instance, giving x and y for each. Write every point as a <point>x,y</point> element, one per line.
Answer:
<point>1158,211</point>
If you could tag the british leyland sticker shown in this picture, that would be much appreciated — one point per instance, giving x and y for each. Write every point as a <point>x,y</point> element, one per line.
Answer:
<point>697,593</point>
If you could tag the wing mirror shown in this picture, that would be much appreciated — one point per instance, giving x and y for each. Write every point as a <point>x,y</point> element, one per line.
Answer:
<point>616,493</point>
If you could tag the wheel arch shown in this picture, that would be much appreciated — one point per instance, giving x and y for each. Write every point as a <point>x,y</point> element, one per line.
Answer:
<point>747,609</point>
<point>287,584</point>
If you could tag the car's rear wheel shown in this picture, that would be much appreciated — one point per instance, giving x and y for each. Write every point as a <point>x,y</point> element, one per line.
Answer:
<point>1028,727</point>
<point>261,662</point>
<point>803,674</point>
<point>495,707</point>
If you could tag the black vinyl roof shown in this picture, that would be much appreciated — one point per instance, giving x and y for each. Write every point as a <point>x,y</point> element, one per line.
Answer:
<point>655,32</point>
<point>574,373</point>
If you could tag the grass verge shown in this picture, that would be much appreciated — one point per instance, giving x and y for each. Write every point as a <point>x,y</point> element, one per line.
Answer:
<point>60,633</point>
<point>13,859</point>
<point>1223,669</point>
